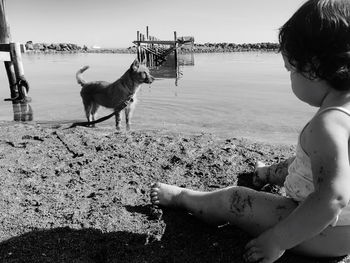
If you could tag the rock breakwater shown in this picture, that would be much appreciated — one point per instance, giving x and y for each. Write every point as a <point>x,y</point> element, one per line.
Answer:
<point>54,47</point>
<point>196,48</point>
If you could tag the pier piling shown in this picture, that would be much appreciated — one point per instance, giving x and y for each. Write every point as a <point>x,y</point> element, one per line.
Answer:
<point>5,38</point>
<point>153,51</point>
<point>13,63</point>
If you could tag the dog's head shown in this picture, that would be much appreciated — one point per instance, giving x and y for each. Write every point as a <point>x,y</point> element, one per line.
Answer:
<point>140,73</point>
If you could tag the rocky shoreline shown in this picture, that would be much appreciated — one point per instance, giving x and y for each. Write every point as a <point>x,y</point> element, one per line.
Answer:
<point>197,48</point>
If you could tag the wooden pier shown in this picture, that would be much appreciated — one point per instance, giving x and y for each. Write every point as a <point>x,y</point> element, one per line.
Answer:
<point>154,51</point>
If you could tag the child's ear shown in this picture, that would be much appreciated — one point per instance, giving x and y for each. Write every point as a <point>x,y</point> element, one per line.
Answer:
<point>135,65</point>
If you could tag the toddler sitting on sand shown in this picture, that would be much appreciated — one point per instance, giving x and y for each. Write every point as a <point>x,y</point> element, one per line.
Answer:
<point>314,217</point>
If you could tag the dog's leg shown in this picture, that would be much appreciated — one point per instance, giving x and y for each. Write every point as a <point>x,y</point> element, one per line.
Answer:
<point>94,108</point>
<point>117,120</point>
<point>127,112</point>
<point>90,118</point>
<point>87,107</point>
<point>88,114</point>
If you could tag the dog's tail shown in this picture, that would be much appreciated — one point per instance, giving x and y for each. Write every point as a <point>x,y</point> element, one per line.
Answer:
<point>80,80</point>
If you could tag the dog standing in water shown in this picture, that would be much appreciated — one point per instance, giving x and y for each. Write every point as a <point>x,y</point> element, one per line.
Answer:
<point>113,95</point>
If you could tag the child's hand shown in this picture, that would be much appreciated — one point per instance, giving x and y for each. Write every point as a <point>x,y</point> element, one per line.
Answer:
<point>264,249</point>
<point>260,175</point>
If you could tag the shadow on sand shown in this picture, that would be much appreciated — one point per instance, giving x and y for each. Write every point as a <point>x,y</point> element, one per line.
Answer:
<point>183,239</point>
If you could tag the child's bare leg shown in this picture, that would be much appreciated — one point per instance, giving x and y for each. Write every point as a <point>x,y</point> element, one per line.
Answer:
<point>273,174</point>
<point>252,211</point>
<point>244,207</point>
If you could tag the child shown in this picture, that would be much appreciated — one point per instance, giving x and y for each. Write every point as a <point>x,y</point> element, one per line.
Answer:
<point>314,216</point>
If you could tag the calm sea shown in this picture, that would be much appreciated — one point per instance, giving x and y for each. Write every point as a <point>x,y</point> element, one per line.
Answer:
<point>227,94</point>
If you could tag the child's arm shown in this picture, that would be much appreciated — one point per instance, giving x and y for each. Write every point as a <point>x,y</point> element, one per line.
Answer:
<point>327,147</point>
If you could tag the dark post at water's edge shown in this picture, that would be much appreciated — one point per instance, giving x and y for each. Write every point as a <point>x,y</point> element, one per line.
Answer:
<point>5,38</point>
<point>175,47</point>
<point>15,72</point>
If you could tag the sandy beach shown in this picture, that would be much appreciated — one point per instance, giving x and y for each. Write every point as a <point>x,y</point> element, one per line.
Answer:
<point>82,194</point>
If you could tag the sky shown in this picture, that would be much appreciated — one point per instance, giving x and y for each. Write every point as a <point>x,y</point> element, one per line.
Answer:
<point>114,23</point>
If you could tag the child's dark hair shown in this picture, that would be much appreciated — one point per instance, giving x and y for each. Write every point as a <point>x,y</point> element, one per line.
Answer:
<point>316,41</point>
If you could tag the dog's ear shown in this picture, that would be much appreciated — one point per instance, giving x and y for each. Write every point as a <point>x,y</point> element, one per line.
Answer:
<point>135,65</point>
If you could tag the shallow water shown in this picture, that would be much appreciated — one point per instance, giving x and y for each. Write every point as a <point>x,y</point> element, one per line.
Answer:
<point>228,94</point>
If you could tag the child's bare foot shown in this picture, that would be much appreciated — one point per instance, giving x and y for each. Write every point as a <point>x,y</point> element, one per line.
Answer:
<point>165,194</point>
<point>260,177</point>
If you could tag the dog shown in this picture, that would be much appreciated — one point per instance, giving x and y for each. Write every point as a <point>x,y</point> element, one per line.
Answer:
<point>117,95</point>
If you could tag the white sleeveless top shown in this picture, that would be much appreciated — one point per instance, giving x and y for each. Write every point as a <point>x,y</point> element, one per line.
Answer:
<point>299,181</point>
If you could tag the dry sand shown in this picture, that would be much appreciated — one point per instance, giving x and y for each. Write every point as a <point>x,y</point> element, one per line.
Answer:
<point>82,194</point>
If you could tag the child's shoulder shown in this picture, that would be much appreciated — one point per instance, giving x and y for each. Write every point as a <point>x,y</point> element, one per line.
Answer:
<point>329,127</point>
<point>334,119</point>
<point>337,110</point>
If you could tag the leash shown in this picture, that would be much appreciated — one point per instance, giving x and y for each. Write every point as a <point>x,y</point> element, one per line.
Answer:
<point>116,110</point>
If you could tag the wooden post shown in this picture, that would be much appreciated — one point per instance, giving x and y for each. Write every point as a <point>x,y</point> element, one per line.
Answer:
<point>138,46</point>
<point>148,54</point>
<point>22,111</point>
<point>175,39</point>
<point>143,52</point>
<point>5,38</point>
<point>15,49</point>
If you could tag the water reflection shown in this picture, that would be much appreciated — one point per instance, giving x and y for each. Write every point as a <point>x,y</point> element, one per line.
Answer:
<point>172,68</point>
<point>22,111</point>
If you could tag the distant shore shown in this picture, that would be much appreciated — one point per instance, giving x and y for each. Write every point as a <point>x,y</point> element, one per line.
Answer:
<point>197,48</point>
